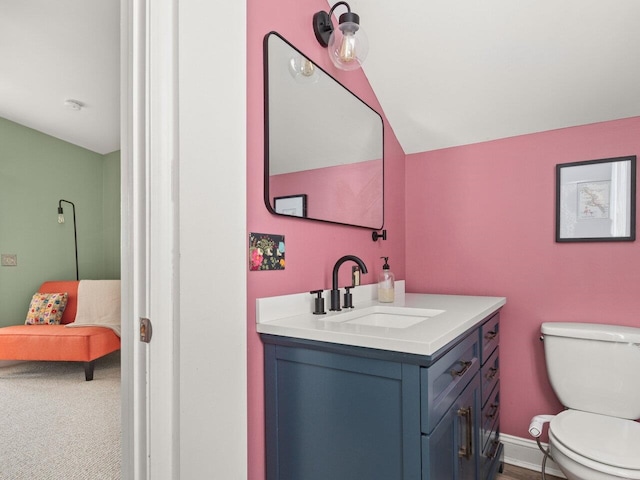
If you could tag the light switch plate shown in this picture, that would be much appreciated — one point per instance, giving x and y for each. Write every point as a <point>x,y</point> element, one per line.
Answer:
<point>8,259</point>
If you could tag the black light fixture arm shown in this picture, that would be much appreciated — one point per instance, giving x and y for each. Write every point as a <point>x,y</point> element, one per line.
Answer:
<point>75,230</point>
<point>338,4</point>
<point>323,26</point>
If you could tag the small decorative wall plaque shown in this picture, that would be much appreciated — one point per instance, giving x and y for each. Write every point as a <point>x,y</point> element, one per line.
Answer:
<point>266,252</point>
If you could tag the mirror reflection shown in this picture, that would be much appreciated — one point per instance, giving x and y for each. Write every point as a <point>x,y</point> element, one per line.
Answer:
<point>323,145</point>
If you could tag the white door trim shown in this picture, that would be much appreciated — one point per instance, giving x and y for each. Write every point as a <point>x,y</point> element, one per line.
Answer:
<point>184,405</point>
<point>162,247</point>
<point>132,21</point>
<point>150,391</point>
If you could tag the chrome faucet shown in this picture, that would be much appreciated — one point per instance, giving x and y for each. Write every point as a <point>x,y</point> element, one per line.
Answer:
<point>335,290</point>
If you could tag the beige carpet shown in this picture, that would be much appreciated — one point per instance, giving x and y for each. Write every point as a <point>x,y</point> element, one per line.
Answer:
<point>55,425</point>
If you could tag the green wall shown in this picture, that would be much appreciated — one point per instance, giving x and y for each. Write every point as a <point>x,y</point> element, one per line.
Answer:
<point>111,214</point>
<point>36,171</point>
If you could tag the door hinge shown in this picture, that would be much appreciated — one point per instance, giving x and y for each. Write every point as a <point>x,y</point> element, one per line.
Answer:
<point>145,330</point>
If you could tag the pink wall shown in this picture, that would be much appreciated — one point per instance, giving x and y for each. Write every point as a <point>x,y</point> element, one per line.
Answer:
<point>312,247</point>
<point>481,221</point>
<point>332,193</point>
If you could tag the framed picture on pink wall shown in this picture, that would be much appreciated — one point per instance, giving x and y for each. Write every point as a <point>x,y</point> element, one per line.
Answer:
<point>294,205</point>
<point>596,200</point>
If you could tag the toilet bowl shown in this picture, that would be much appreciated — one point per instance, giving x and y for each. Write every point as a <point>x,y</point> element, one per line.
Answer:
<point>589,446</point>
<point>593,370</point>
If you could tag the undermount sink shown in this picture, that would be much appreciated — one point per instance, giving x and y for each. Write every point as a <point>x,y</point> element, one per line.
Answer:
<point>385,316</point>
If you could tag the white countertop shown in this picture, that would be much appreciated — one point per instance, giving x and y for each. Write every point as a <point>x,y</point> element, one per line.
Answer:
<point>291,316</point>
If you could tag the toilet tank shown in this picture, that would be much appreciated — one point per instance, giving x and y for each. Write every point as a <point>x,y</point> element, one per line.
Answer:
<point>593,367</point>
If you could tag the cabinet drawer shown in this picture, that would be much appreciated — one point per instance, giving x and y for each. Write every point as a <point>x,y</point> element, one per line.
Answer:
<point>442,382</point>
<point>490,454</point>
<point>490,336</point>
<point>489,418</point>
<point>490,375</point>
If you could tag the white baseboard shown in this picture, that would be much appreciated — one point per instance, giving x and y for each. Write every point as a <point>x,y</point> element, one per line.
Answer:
<point>525,453</point>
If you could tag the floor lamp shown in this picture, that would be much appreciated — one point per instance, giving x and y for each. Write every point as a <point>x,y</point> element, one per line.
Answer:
<point>75,232</point>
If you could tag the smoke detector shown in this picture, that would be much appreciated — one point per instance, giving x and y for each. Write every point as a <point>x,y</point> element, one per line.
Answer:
<point>73,104</point>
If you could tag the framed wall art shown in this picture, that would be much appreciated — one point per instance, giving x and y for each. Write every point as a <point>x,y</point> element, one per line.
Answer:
<point>294,205</point>
<point>596,200</point>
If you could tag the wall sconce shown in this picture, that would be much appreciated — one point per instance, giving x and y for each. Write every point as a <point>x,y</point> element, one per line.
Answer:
<point>347,45</point>
<point>75,232</point>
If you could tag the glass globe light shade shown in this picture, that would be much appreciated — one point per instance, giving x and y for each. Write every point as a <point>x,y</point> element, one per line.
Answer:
<point>348,46</point>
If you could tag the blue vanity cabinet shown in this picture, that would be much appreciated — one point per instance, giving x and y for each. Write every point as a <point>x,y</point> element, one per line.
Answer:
<point>491,448</point>
<point>346,413</point>
<point>450,450</point>
<point>450,392</point>
<point>337,416</point>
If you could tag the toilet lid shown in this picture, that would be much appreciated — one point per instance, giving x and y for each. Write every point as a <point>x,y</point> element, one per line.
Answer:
<point>609,440</point>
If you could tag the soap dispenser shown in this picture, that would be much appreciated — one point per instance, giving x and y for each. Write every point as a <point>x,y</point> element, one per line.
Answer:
<point>386,289</point>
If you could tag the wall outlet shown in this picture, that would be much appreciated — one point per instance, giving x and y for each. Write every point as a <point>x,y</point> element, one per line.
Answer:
<point>9,260</point>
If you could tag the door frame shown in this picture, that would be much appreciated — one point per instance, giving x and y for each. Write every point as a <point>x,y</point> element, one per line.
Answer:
<point>175,421</point>
<point>149,133</point>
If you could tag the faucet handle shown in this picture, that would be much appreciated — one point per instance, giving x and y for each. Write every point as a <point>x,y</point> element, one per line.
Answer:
<point>335,300</point>
<point>319,303</point>
<point>348,299</point>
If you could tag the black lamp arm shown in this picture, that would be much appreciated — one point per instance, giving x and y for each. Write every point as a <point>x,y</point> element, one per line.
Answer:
<point>322,24</point>
<point>75,230</point>
<point>338,4</point>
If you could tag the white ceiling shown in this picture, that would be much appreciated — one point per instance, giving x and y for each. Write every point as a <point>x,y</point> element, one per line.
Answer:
<point>54,50</point>
<point>445,72</point>
<point>458,72</point>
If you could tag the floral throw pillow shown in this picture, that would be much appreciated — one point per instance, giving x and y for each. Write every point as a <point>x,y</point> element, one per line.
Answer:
<point>46,308</point>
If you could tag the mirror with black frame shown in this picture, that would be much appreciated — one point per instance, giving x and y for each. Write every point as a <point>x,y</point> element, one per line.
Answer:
<point>323,145</point>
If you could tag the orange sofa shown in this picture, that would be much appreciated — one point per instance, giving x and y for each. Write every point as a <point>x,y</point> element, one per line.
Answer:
<point>57,342</point>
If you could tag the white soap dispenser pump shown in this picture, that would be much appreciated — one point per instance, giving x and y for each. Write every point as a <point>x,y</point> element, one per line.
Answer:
<point>386,280</point>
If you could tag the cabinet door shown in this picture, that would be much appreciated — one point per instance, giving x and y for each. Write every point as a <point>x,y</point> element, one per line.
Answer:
<point>336,417</point>
<point>451,451</point>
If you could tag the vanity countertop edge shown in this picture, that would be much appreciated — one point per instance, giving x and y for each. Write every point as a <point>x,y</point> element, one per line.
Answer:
<point>291,316</point>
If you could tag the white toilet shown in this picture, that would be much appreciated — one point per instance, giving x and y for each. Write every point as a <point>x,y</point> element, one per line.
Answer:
<point>595,372</point>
